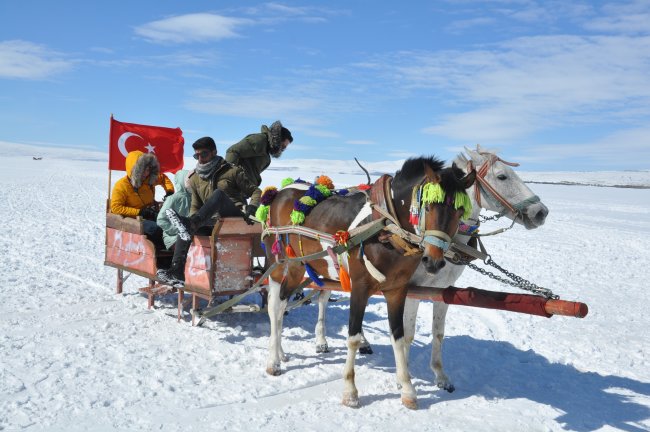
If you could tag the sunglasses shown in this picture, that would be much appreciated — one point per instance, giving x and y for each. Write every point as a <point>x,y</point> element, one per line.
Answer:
<point>202,154</point>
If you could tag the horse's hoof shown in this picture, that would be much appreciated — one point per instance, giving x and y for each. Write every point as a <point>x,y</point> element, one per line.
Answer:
<point>446,386</point>
<point>365,350</point>
<point>322,348</point>
<point>410,402</point>
<point>350,400</point>
<point>273,370</point>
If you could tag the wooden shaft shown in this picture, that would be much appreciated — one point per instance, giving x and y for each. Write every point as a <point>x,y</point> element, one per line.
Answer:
<point>512,302</point>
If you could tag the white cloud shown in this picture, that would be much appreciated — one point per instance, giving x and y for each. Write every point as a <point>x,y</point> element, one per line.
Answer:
<point>199,27</point>
<point>624,18</point>
<point>257,105</point>
<point>624,149</point>
<point>26,60</point>
<point>532,83</point>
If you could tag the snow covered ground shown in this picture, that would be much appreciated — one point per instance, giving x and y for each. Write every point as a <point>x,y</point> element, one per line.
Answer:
<point>74,356</point>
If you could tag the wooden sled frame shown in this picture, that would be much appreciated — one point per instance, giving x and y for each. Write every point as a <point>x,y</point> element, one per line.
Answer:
<point>223,259</point>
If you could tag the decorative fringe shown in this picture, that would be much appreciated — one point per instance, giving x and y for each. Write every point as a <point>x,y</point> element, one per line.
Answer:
<point>344,278</point>
<point>308,201</point>
<point>276,249</point>
<point>268,195</point>
<point>432,193</point>
<point>462,200</point>
<point>262,213</point>
<point>287,181</point>
<point>313,275</point>
<point>297,217</point>
<point>290,252</point>
<point>324,190</point>
<point>341,237</point>
<point>325,181</point>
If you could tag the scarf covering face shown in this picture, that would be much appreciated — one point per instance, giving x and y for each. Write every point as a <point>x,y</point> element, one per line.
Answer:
<point>206,170</point>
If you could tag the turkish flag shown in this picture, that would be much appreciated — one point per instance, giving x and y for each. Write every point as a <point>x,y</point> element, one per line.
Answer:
<point>165,143</point>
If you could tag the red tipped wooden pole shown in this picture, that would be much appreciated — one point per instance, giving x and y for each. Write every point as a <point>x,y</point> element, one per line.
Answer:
<point>512,302</point>
<point>474,297</point>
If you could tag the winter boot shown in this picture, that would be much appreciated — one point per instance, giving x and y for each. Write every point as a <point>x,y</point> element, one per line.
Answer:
<point>174,275</point>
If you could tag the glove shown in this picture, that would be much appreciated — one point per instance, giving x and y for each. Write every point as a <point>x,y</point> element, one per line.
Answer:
<point>249,211</point>
<point>148,213</point>
<point>167,195</point>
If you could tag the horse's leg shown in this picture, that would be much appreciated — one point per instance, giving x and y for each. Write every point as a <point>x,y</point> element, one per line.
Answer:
<point>410,318</point>
<point>395,300</point>
<point>358,303</point>
<point>276,308</point>
<point>365,347</point>
<point>321,341</point>
<point>438,332</point>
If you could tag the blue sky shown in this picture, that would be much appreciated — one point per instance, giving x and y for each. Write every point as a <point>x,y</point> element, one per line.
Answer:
<point>554,85</point>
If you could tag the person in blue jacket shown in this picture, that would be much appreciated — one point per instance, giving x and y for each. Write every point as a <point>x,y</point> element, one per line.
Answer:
<point>180,202</point>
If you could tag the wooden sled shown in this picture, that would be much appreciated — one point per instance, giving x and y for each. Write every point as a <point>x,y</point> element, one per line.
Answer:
<point>233,246</point>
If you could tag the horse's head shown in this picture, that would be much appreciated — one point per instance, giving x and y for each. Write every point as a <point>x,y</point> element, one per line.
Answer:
<point>498,188</point>
<point>436,200</point>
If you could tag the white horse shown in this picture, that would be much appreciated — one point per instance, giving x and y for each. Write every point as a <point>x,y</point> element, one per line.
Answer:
<point>497,188</point>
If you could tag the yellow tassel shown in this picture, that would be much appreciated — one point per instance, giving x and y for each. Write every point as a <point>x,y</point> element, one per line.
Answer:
<point>344,278</point>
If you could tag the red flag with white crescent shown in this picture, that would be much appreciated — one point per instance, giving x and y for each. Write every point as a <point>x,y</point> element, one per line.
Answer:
<point>166,143</point>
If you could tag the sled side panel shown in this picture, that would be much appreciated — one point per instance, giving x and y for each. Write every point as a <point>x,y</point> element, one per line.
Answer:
<point>233,263</point>
<point>130,251</point>
<point>197,266</point>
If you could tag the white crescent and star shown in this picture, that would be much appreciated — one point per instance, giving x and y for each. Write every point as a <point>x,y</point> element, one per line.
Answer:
<point>121,143</point>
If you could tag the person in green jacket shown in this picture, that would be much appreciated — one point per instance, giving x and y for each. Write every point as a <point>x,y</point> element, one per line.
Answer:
<point>179,202</point>
<point>254,152</point>
<point>219,189</point>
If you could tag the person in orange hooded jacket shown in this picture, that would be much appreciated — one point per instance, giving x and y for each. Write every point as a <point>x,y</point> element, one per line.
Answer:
<point>134,195</point>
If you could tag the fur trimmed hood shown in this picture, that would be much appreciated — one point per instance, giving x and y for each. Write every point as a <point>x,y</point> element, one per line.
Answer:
<point>136,163</point>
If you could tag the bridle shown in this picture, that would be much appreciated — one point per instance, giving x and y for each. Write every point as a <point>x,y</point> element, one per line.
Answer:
<point>482,171</point>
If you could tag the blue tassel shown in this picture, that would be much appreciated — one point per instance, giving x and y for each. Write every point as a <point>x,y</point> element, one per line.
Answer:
<point>263,247</point>
<point>313,275</point>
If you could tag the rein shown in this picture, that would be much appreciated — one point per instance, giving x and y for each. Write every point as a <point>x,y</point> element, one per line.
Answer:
<point>381,200</point>
<point>482,171</point>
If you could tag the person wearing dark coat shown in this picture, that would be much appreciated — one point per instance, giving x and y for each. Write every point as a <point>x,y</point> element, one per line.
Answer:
<point>253,153</point>
<point>219,189</point>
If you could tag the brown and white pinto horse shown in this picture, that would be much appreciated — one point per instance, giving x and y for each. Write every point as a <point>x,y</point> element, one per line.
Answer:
<point>374,266</point>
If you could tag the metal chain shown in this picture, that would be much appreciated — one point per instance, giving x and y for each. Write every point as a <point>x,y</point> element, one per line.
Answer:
<point>517,281</point>
<point>490,218</point>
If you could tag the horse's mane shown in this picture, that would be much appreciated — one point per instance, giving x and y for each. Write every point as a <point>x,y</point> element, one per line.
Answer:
<point>413,169</point>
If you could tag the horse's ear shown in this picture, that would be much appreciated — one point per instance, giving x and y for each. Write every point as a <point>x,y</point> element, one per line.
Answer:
<point>468,180</point>
<point>431,175</point>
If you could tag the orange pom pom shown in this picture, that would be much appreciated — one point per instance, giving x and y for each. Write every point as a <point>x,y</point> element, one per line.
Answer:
<point>325,181</point>
<point>344,278</point>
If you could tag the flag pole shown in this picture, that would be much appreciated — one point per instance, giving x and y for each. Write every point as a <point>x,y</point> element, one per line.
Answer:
<point>110,133</point>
